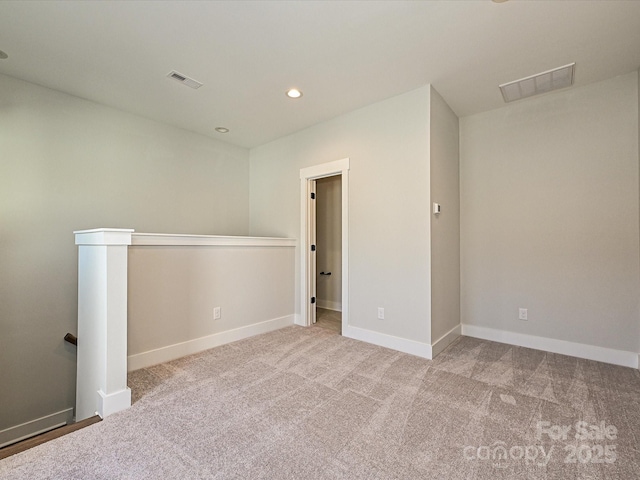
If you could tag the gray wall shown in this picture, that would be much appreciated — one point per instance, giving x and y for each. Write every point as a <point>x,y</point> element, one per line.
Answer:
<point>445,227</point>
<point>389,254</point>
<point>69,164</point>
<point>549,201</point>
<point>329,242</point>
<point>173,291</point>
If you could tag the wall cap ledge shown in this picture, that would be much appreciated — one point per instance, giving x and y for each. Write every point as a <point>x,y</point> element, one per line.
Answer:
<point>151,239</point>
<point>104,236</point>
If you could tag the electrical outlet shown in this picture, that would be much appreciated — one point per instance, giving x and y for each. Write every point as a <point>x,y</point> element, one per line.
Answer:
<point>522,314</point>
<point>381,313</point>
<point>216,313</point>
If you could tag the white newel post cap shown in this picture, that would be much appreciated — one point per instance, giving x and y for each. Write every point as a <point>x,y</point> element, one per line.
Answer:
<point>104,236</point>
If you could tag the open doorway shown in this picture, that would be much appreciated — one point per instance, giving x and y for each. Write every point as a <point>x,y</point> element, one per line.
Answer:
<point>310,277</point>
<point>328,215</point>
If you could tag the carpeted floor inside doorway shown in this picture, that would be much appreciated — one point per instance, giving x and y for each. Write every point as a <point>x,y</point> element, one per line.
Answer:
<point>306,403</point>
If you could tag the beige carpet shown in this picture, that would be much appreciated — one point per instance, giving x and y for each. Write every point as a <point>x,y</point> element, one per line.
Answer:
<point>329,319</point>
<point>306,403</point>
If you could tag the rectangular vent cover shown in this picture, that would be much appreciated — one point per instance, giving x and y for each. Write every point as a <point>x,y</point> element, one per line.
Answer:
<point>544,82</point>
<point>179,77</point>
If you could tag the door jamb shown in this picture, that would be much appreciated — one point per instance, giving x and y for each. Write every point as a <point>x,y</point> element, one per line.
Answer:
<point>338,167</point>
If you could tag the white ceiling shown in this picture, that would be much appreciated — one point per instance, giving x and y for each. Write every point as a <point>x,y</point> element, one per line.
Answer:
<point>341,54</point>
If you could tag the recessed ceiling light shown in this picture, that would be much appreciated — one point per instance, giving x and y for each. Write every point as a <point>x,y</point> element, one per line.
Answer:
<point>294,93</point>
<point>3,55</point>
<point>222,130</point>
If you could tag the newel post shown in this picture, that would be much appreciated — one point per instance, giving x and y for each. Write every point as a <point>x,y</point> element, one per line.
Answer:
<point>101,385</point>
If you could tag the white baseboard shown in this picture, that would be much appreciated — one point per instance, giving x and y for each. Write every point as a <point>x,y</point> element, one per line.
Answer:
<point>389,341</point>
<point>329,305</point>
<point>171,352</point>
<point>446,340</point>
<point>113,402</point>
<point>35,427</point>
<point>589,352</point>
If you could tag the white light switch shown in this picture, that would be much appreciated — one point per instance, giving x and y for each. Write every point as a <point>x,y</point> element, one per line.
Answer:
<point>436,208</point>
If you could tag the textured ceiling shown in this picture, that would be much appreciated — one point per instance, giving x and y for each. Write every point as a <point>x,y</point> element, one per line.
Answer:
<point>341,54</point>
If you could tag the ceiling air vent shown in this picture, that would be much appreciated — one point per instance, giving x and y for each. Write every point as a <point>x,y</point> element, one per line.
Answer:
<point>544,82</point>
<point>189,82</point>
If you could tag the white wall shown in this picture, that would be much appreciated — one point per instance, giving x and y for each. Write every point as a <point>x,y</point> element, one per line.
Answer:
<point>549,202</point>
<point>329,242</point>
<point>174,289</point>
<point>68,164</point>
<point>388,147</point>
<point>445,227</point>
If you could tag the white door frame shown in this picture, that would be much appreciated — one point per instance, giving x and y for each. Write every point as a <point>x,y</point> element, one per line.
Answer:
<point>339,167</point>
